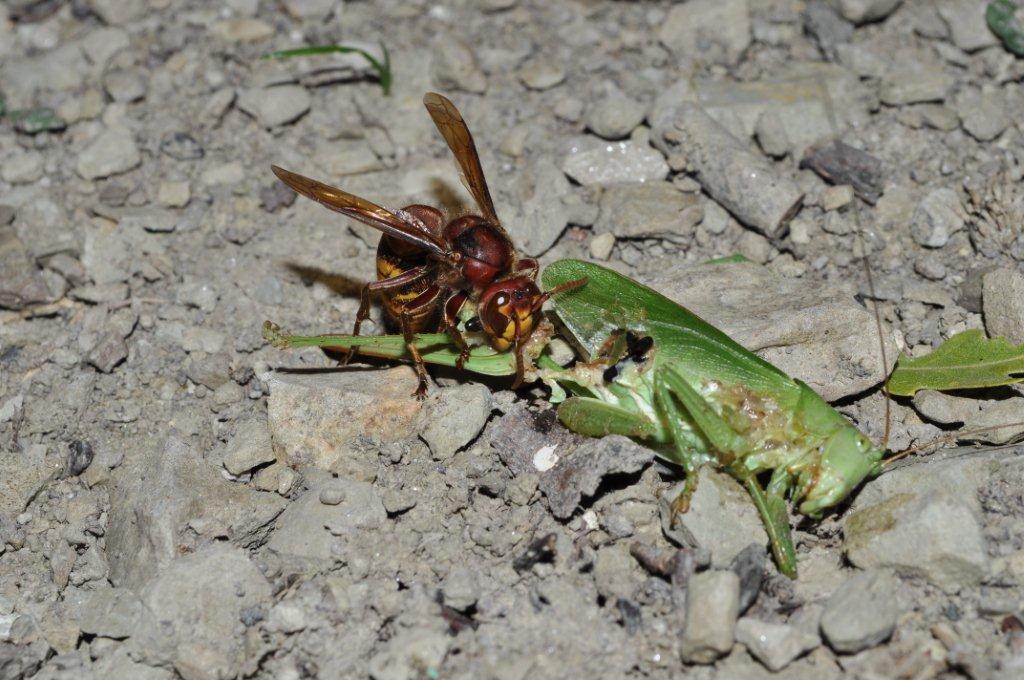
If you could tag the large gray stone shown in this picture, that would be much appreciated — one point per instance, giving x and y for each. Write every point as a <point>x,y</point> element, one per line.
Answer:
<point>249,448</point>
<point>966,22</point>
<point>111,612</point>
<point>595,162</point>
<point>984,418</point>
<point>196,609</point>
<point>337,420</point>
<point>21,285</point>
<point>911,80</point>
<point>1003,303</point>
<point>721,518</point>
<point>310,529</point>
<point>454,416</point>
<point>708,30</point>
<point>23,474</point>
<point>538,210</point>
<point>648,210</point>
<point>754,190</point>
<point>924,520</point>
<point>166,496</point>
<point>577,473</point>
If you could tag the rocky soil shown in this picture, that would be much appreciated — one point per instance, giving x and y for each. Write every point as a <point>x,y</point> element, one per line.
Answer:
<point>178,499</point>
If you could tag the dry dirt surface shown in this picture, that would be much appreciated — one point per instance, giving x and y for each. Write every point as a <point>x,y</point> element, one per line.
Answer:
<point>180,499</point>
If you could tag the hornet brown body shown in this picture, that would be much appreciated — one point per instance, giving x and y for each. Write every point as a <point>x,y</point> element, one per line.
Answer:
<point>429,265</point>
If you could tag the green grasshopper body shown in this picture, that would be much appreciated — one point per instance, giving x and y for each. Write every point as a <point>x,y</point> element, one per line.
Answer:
<point>697,397</point>
<point>702,398</point>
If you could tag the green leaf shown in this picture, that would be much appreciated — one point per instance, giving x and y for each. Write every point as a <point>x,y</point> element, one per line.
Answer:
<point>435,348</point>
<point>1006,19</point>
<point>611,301</point>
<point>383,69</point>
<point>966,360</point>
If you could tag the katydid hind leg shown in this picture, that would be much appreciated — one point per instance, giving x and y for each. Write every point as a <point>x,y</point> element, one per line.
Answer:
<point>723,439</point>
<point>687,454</point>
<point>680,505</point>
<point>775,516</point>
<point>772,507</point>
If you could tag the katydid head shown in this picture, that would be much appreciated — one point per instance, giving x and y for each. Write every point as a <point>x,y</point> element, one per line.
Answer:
<point>847,459</point>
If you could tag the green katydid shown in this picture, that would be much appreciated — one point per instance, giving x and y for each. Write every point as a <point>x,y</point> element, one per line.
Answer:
<point>690,392</point>
<point>702,398</point>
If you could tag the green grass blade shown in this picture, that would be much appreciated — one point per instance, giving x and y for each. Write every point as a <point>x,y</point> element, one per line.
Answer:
<point>966,360</point>
<point>727,259</point>
<point>383,68</point>
<point>33,121</point>
<point>435,348</point>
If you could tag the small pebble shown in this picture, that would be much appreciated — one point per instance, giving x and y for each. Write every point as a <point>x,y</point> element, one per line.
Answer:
<point>937,217</point>
<point>569,109</point>
<point>615,115</point>
<point>22,168</point>
<point>275,106</point>
<point>774,644</point>
<point>983,115</point>
<point>602,245</point>
<point>454,66</point>
<point>113,152</point>
<point>242,29</point>
<point>834,198</point>
<point>1003,304</point>
<point>541,73</point>
<point>712,606</point>
<point>332,495</point>
<point>861,613</point>
<point>224,174</point>
<point>173,194</point>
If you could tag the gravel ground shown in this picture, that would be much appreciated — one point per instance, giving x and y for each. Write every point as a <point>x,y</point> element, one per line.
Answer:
<point>179,499</point>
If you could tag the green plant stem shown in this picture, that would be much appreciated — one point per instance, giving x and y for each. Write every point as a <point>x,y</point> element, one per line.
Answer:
<point>383,69</point>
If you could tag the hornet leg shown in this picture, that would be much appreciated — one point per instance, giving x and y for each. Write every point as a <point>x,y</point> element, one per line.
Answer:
<point>421,368</point>
<point>363,314</point>
<point>451,316</point>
